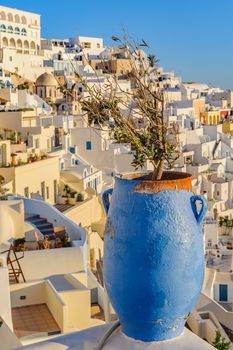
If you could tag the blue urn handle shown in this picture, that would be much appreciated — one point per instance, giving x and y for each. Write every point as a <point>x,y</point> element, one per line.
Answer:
<point>105,199</point>
<point>199,216</point>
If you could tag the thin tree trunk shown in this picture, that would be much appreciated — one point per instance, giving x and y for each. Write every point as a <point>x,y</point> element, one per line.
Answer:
<point>158,171</point>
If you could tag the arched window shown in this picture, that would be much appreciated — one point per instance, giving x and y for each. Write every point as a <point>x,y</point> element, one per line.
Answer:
<point>10,17</point>
<point>26,44</point>
<point>19,43</point>
<point>4,42</point>
<point>3,28</point>
<point>3,15</point>
<point>17,30</point>
<point>23,31</point>
<point>40,92</point>
<point>17,19</point>
<point>32,45</point>
<point>12,42</point>
<point>23,20</point>
<point>10,29</point>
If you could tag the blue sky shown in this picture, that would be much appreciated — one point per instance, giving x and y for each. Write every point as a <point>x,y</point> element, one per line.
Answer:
<point>193,38</point>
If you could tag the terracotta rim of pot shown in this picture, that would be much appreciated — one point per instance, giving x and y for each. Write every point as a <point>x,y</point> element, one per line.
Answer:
<point>171,180</point>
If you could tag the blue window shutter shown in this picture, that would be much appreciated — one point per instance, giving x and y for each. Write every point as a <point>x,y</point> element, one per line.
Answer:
<point>88,145</point>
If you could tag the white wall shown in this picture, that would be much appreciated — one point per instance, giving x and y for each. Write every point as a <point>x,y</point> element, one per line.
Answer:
<point>29,66</point>
<point>205,325</point>
<point>5,306</point>
<point>32,175</point>
<point>56,306</point>
<point>205,303</point>
<point>229,289</point>
<point>86,212</point>
<point>40,264</point>
<point>78,305</point>
<point>34,293</point>
<point>101,155</point>
<point>11,220</point>
<point>211,234</point>
<point>8,338</point>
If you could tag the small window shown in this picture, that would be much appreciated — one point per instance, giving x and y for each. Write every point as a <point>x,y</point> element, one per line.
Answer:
<point>17,30</point>
<point>23,31</point>
<point>26,192</point>
<point>43,189</point>
<point>88,145</point>
<point>3,28</point>
<point>10,29</point>
<point>47,192</point>
<point>86,45</point>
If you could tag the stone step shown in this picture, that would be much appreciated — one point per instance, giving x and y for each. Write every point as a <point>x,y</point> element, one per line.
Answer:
<point>47,231</point>
<point>43,226</point>
<point>31,216</point>
<point>38,221</point>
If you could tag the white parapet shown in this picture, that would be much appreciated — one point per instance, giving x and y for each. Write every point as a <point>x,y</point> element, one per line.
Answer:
<point>91,337</point>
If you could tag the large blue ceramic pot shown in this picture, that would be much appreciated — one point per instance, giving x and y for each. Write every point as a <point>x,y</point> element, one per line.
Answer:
<point>153,256</point>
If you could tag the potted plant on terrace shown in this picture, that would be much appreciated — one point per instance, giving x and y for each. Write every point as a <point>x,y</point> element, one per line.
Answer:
<point>72,198</point>
<point>66,195</point>
<point>13,159</point>
<point>153,260</point>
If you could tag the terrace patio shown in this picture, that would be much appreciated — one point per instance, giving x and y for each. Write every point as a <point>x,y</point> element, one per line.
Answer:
<point>33,319</point>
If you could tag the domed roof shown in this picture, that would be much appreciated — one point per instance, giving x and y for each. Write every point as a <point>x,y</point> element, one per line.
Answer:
<point>46,79</point>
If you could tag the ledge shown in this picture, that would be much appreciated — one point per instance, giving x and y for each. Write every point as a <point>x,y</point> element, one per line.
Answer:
<point>89,338</point>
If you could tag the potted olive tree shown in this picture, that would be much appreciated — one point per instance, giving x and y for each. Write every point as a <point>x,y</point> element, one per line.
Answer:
<point>153,260</point>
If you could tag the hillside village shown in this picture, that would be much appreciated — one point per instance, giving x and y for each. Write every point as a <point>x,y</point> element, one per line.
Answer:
<point>54,167</point>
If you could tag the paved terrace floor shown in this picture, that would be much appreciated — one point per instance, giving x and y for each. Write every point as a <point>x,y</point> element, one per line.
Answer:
<point>33,319</point>
<point>63,207</point>
<point>223,265</point>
